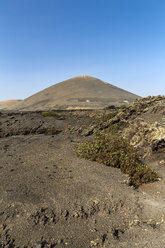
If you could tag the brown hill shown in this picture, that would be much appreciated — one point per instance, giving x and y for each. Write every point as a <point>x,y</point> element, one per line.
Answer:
<point>80,92</point>
<point>8,103</point>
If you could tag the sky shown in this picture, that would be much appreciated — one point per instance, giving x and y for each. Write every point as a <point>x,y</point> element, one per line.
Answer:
<point>43,42</point>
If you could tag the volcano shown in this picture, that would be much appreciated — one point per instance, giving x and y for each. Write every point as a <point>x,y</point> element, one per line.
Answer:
<point>82,92</point>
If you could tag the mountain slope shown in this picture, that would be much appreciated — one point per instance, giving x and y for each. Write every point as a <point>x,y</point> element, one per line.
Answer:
<point>8,103</point>
<point>79,92</point>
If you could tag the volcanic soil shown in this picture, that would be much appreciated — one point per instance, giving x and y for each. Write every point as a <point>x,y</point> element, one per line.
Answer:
<point>49,197</point>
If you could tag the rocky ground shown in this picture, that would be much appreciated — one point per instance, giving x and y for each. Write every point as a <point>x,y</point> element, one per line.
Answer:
<point>52,198</point>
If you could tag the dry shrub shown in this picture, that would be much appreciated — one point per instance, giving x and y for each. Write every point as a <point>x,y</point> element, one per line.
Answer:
<point>51,114</point>
<point>112,150</point>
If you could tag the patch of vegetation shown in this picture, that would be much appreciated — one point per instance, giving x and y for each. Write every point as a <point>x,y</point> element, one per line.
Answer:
<point>112,150</point>
<point>123,107</point>
<point>105,117</point>
<point>108,116</point>
<point>51,114</point>
<point>113,129</point>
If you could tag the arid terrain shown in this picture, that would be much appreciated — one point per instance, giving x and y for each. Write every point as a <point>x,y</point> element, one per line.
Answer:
<point>50,197</point>
<point>8,103</point>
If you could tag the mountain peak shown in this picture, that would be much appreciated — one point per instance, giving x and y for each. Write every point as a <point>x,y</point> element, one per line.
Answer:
<point>83,76</point>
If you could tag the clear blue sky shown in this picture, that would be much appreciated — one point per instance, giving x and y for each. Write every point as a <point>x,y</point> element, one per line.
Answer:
<point>43,42</point>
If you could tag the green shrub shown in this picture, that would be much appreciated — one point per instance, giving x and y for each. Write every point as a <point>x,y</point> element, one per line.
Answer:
<point>51,114</point>
<point>112,150</point>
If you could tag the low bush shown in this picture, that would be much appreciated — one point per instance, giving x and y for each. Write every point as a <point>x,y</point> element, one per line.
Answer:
<point>51,114</point>
<point>112,150</point>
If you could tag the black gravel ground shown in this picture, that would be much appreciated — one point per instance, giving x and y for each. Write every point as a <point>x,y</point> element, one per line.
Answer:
<point>51,198</point>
